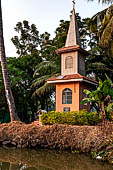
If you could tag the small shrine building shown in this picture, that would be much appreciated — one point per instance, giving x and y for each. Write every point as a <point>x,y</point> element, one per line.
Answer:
<point>72,81</point>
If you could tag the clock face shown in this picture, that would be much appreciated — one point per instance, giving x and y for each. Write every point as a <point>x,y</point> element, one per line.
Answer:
<point>69,62</point>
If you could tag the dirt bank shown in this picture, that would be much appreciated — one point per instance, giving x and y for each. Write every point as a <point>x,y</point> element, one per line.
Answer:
<point>82,138</point>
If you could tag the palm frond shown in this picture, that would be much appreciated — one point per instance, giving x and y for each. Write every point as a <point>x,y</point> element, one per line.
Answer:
<point>98,65</point>
<point>95,22</point>
<point>106,32</point>
<point>44,66</point>
<point>101,66</point>
<point>39,81</point>
<point>102,24</point>
<point>46,88</point>
<point>107,16</point>
<point>43,86</point>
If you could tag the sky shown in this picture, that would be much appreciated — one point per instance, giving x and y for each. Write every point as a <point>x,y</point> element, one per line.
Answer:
<point>45,14</point>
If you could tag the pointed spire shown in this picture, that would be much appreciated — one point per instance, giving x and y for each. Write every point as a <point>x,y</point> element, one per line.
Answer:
<point>73,4</point>
<point>73,37</point>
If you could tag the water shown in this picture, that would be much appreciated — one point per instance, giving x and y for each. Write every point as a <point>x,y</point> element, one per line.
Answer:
<point>34,159</point>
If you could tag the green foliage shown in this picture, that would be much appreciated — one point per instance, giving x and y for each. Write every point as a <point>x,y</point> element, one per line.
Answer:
<point>47,47</point>
<point>102,24</point>
<point>70,118</point>
<point>28,39</point>
<point>106,30</point>
<point>44,71</point>
<point>20,73</point>
<point>61,33</point>
<point>102,96</point>
<point>99,63</point>
<point>93,118</point>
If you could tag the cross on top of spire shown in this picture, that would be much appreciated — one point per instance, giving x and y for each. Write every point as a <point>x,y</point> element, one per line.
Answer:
<point>73,37</point>
<point>73,4</point>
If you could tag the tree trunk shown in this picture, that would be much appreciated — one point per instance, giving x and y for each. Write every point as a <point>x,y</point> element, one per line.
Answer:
<point>8,92</point>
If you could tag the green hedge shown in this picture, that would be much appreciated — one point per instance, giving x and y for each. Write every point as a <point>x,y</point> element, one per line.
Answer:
<point>70,118</point>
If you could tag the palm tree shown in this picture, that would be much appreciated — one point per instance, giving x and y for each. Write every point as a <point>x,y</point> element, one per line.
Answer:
<point>42,90</point>
<point>106,30</point>
<point>8,92</point>
<point>102,24</point>
<point>44,71</point>
<point>99,63</point>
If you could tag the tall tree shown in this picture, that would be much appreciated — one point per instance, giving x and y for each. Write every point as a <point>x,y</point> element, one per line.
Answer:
<point>99,63</point>
<point>100,60</point>
<point>8,92</point>
<point>28,39</point>
<point>102,24</point>
<point>42,90</point>
<point>47,47</point>
<point>20,71</point>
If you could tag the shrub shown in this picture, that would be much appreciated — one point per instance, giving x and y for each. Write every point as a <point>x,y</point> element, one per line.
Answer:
<point>70,118</point>
<point>93,118</point>
<point>109,116</point>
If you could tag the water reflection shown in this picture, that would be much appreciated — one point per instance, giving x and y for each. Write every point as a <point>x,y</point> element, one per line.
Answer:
<point>30,159</point>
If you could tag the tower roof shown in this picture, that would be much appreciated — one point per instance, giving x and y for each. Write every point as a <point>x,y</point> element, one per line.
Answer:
<point>73,37</point>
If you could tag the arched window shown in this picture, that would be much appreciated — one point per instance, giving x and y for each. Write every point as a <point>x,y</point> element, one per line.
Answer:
<point>69,62</point>
<point>67,96</point>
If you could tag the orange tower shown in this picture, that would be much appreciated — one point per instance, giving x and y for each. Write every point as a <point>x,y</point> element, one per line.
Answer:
<point>72,81</point>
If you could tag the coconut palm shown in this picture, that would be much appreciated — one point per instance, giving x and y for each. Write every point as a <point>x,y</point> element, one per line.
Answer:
<point>102,24</point>
<point>99,63</point>
<point>106,29</point>
<point>42,90</point>
<point>44,71</point>
<point>8,92</point>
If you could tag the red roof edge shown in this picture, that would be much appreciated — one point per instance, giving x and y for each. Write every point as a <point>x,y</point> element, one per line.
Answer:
<point>71,49</point>
<point>72,76</point>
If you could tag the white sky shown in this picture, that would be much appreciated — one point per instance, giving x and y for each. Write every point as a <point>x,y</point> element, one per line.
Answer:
<point>46,14</point>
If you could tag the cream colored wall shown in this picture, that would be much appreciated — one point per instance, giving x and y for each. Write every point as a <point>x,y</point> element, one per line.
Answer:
<point>74,86</point>
<point>73,70</point>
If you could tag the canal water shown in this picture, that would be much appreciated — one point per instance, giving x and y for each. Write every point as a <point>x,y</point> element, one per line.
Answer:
<point>34,159</point>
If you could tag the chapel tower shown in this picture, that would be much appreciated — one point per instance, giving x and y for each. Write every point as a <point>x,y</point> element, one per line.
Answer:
<point>72,81</point>
<point>72,55</point>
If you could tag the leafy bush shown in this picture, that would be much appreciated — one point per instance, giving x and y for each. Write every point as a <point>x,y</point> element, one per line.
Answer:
<point>70,118</point>
<point>109,116</point>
